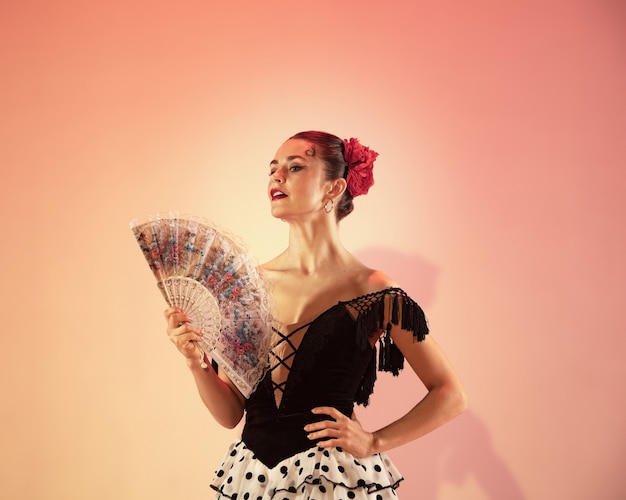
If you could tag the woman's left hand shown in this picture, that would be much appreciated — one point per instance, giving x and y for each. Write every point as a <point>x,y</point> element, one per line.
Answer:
<point>343,432</point>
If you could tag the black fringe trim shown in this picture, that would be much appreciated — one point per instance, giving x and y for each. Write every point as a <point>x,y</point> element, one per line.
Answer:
<point>390,359</point>
<point>371,320</point>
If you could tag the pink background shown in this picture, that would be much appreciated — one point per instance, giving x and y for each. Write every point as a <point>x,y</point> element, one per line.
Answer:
<point>498,204</point>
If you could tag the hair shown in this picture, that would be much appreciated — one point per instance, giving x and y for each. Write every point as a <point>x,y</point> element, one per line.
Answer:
<point>330,150</point>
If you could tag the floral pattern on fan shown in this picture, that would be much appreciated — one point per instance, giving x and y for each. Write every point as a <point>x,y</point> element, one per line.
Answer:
<point>210,274</point>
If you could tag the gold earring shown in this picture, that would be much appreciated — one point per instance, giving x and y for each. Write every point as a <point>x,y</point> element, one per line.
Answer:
<point>332,205</point>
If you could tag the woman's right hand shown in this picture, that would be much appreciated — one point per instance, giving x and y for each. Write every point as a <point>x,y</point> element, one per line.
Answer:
<point>182,334</point>
<point>218,393</point>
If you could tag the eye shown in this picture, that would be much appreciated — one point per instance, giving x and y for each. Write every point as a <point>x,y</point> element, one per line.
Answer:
<point>272,170</point>
<point>295,168</point>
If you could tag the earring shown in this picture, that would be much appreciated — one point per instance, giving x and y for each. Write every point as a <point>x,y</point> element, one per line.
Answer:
<point>332,205</point>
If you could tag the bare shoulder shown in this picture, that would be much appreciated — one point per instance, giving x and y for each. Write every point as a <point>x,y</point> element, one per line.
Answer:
<point>381,280</point>
<point>375,280</point>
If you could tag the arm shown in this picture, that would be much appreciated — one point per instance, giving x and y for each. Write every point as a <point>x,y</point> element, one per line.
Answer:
<point>445,400</point>
<point>217,392</point>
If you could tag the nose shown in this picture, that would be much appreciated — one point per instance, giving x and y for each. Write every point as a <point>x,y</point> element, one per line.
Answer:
<point>277,175</point>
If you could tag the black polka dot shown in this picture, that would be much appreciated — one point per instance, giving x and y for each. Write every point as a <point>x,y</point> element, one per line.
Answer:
<point>341,469</point>
<point>233,453</point>
<point>261,478</point>
<point>220,473</point>
<point>322,488</point>
<point>379,497</point>
<point>377,468</point>
<point>325,468</point>
<point>351,494</point>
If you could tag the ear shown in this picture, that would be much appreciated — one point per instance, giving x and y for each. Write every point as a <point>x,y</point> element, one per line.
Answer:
<point>337,188</point>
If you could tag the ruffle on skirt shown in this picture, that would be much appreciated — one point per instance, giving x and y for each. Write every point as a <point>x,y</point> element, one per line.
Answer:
<point>314,474</point>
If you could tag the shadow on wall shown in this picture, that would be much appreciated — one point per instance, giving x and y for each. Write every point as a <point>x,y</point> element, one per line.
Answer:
<point>414,274</point>
<point>460,451</point>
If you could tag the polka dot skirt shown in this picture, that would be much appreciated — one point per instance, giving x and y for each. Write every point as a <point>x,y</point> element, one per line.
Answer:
<point>314,474</point>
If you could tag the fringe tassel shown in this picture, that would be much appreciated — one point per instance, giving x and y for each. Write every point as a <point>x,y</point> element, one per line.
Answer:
<point>370,321</point>
<point>413,319</point>
<point>390,359</point>
<point>394,309</point>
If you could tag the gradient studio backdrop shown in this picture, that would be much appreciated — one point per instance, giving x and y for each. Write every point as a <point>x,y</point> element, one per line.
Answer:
<point>499,204</point>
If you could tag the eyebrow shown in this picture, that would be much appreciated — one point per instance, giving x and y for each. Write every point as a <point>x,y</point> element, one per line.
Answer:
<point>289,158</point>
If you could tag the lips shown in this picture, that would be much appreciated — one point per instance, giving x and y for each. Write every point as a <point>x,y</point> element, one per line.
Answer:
<point>277,194</point>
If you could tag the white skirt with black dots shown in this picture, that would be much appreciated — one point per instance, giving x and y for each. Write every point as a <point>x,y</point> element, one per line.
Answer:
<point>314,474</point>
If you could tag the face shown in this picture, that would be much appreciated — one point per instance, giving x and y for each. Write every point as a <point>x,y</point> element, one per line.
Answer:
<point>297,187</point>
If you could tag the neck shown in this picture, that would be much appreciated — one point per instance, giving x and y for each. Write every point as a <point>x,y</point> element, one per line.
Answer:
<point>315,247</point>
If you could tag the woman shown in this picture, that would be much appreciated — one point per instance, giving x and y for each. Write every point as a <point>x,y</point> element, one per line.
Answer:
<point>301,439</point>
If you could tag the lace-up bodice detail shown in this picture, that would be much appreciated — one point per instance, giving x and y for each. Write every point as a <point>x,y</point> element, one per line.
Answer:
<point>282,356</point>
<point>330,361</point>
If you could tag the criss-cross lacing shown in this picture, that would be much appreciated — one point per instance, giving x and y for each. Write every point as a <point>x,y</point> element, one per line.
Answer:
<point>276,361</point>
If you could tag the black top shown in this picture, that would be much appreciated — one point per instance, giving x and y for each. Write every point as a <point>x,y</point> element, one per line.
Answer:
<point>333,365</point>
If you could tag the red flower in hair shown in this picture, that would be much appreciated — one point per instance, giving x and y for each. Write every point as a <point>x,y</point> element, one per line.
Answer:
<point>360,160</point>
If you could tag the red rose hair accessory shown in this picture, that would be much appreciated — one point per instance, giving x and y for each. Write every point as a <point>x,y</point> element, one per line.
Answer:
<point>360,160</point>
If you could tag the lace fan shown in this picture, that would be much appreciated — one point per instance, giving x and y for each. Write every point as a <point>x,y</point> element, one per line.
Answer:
<point>210,275</point>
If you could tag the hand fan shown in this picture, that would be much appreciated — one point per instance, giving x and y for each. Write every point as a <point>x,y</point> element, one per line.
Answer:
<point>210,275</point>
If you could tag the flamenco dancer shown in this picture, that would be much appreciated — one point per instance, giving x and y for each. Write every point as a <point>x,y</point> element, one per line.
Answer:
<point>336,322</point>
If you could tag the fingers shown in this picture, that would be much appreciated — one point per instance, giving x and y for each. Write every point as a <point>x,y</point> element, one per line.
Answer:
<point>328,410</point>
<point>182,334</point>
<point>175,316</point>
<point>186,331</point>
<point>338,421</point>
<point>178,321</point>
<point>340,431</point>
